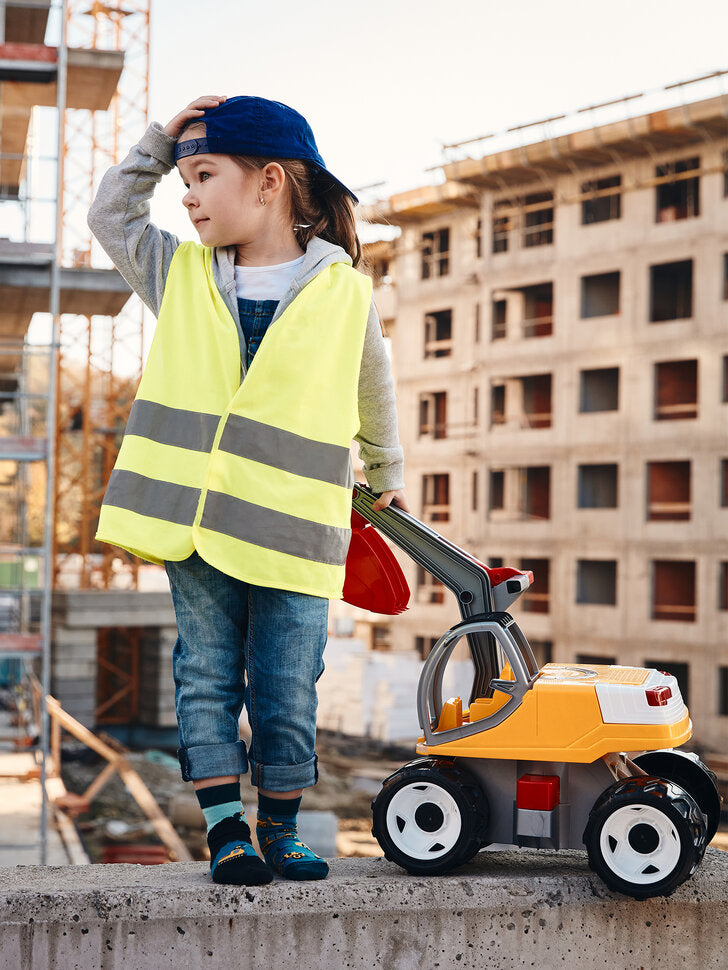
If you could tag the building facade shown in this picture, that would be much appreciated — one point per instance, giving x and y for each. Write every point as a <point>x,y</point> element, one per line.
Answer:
<point>559,324</point>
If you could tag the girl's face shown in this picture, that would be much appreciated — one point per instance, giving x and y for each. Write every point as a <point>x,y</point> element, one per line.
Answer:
<point>222,199</point>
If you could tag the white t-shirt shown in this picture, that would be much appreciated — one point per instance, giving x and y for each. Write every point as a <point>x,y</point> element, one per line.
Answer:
<point>265,282</point>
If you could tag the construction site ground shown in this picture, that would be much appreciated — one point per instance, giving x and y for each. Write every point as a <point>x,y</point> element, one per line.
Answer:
<point>350,774</point>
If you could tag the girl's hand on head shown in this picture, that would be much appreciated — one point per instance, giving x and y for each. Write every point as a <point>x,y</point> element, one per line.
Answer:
<point>386,498</point>
<point>193,112</point>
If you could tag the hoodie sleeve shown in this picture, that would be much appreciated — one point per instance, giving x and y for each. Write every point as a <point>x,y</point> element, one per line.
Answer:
<point>119,216</point>
<point>378,438</point>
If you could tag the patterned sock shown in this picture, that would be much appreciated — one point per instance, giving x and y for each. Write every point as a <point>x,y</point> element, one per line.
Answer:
<point>278,839</point>
<point>220,801</point>
<point>233,859</point>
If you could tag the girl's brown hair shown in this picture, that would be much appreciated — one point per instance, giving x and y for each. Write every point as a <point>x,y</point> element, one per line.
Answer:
<point>318,207</point>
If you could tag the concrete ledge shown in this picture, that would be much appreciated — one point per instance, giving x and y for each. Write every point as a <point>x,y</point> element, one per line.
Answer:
<point>505,909</point>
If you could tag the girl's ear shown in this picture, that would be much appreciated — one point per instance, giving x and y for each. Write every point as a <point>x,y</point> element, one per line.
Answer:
<point>273,178</point>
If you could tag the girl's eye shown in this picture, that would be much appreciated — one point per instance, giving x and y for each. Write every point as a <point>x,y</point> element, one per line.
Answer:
<point>204,176</point>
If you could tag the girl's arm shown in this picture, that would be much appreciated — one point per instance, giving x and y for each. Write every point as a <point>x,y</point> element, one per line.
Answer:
<point>119,215</point>
<point>378,437</point>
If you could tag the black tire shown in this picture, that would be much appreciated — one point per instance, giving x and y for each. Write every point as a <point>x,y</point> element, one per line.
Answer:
<point>691,774</point>
<point>430,817</point>
<point>645,836</point>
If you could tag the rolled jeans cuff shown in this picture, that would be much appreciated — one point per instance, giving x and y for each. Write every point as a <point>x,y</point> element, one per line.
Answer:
<point>284,777</point>
<point>213,760</point>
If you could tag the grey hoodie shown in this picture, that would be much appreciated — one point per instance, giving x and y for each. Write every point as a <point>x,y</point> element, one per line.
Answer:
<point>120,220</point>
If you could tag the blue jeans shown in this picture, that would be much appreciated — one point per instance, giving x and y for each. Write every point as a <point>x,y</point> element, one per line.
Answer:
<point>243,644</point>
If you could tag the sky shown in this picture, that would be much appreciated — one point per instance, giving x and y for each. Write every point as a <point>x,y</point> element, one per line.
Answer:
<point>384,83</point>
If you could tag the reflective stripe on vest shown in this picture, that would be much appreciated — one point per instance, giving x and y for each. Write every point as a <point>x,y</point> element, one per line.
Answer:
<point>255,476</point>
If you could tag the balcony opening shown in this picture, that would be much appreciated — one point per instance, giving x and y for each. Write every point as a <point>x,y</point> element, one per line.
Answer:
<point>596,582</point>
<point>677,194</point>
<point>429,589</point>
<point>671,291</point>
<point>599,390</point>
<point>498,320</point>
<point>597,487</point>
<point>478,235</point>
<point>725,380</point>
<point>476,324</point>
<point>538,223</point>
<point>536,597</point>
<point>424,646</point>
<point>676,390</point>
<point>501,225</point>
<point>724,483</point>
<point>680,671</point>
<point>381,638</point>
<point>538,308</point>
<point>474,489</point>
<point>433,415</point>
<point>600,295</point>
<point>536,492</point>
<point>436,498</point>
<point>668,491</point>
<point>673,590</point>
<point>435,254</point>
<point>723,690</point>
<point>725,276</point>
<point>497,490</point>
<point>498,404</point>
<point>723,586</point>
<point>594,659</point>
<point>536,394</point>
<point>530,215</point>
<point>438,334</point>
<point>603,200</point>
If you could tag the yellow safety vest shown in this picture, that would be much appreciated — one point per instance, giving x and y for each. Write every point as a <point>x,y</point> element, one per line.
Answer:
<point>256,476</point>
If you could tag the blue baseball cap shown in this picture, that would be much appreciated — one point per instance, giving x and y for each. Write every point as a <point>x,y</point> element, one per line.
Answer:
<point>256,126</point>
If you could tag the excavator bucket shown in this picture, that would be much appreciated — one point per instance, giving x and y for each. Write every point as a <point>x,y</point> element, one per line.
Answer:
<point>374,579</point>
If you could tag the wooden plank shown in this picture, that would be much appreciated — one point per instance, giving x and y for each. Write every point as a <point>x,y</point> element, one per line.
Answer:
<point>21,643</point>
<point>148,804</point>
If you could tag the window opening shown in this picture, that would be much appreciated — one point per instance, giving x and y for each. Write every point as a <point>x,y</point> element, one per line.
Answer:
<point>599,390</point>
<point>436,498</point>
<point>677,194</point>
<point>435,254</point>
<point>668,491</point>
<point>433,415</point>
<point>596,582</point>
<point>673,590</point>
<point>671,291</point>
<point>676,390</point>
<point>536,599</point>
<point>600,295</point>
<point>597,487</point>
<point>438,334</point>
<point>603,203</point>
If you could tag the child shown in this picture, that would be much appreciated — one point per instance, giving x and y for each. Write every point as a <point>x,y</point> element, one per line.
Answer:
<point>234,471</point>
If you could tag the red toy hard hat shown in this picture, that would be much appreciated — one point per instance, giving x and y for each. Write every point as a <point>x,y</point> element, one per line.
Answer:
<point>374,579</point>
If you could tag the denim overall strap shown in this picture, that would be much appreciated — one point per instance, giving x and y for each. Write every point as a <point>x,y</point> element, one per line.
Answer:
<point>255,318</point>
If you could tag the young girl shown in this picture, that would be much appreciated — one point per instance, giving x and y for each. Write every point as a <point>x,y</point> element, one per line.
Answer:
<point>234,472</point>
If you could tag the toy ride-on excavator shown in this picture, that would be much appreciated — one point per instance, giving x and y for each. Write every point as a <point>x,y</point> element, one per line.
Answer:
<point>561,756</point>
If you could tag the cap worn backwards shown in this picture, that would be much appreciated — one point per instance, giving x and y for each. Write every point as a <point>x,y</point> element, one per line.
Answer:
<point>246,125</point>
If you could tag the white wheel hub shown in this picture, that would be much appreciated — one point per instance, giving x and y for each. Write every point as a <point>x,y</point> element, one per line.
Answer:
<point>423,820</point>
<point>640,844</point>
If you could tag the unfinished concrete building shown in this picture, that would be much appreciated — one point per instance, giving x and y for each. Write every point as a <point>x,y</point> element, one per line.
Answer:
<point>559,323</point>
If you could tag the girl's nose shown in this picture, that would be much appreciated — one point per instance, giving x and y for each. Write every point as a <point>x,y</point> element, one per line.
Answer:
<point>189,199</point>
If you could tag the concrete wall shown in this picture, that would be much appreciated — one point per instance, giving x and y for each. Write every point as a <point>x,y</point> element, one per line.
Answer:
<point>505,909</point>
